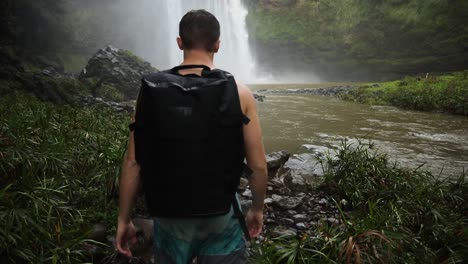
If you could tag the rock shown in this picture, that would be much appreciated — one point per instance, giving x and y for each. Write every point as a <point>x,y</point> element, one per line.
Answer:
<point>295,182</point>
<point>317,150</point>
<point>268,201</point>
<point>291,212</point>
<point>144,227</point>
<point>299,171</point>
<point>118,107</point>
<point>332,220</point>
<point>299,218</point>
<point>144,245</point>
<point>313,223</point>
<point>301,226</point>
<point>323,201</point>
<point>304,164</point>
<point>244,183</point>
<point>247,193</point>
<point>275,183</point>
<point>245,205</point>
<point>275,161</point>
<point>288,221</point>
<point>284,191</point>
<point>111,240</point>
<point>98,233</point>
<point>51,63</point>
<point>276,198</point>
<point>259,97</point>
<point>336,91</point>
<point>287,203</point>
<point>281,231</point>
<point>115,74</point>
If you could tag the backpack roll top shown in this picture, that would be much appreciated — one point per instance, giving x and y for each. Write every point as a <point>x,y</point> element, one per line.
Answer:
<point>189,142</point>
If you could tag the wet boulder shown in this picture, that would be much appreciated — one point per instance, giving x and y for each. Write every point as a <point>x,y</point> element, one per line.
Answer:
<point>286,202</point>
<point>275,161</point>
<point>300,171</point>
<point>259,97</point>
<point>115,74</point>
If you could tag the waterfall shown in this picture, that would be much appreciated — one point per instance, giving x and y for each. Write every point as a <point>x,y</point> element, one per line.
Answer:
<point>152,26</point>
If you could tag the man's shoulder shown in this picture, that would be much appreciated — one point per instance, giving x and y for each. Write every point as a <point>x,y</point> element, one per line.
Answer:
<point>244,90</point>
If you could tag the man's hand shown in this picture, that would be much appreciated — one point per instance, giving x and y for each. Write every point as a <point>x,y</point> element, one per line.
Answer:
<point>129,182</point>
<point>254,221</point>
<point>126,235</point>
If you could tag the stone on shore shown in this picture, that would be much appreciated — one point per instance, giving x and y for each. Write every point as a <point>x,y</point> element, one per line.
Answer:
<point>115,74</point>
<point>275,161</point>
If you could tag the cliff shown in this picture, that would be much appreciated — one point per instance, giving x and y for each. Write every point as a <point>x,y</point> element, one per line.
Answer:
<point>360,39</point>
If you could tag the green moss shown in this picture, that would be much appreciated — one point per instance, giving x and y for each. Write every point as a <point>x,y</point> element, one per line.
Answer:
<point>448,93</point>
<point>133,59</point>
<point>365,39</point>
<point>73,62</point>
<point>109,92</point>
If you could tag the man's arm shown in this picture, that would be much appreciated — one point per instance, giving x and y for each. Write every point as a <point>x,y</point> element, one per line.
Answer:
<point>255,155</point>
<point>129,182</point>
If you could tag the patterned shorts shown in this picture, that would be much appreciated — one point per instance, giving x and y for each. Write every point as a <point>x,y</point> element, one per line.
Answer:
<point>217,239</point>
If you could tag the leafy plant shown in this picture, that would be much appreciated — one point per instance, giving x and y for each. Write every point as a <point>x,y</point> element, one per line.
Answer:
<point>57,169</point>
<point>391,215</point>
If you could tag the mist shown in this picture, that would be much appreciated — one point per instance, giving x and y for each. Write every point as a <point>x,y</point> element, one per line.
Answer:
<point>150,28</point>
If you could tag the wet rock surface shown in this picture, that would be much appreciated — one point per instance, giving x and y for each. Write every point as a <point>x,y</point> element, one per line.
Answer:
<point>259,97</point>
<point>115,74</point>
<point>275,161</point>
<point>115,106</point>
<point>293,203</point>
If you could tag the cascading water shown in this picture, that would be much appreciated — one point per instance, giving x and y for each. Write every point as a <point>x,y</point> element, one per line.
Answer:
<point>153,27</point>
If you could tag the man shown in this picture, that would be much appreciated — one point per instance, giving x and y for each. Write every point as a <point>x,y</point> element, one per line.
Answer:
<point>209,239</point>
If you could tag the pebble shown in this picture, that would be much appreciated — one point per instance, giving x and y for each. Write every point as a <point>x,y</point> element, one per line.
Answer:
<point>323,201</point>
<point>288,203</point>
<point>291,212</point>
<point>300,217</point>
<point>276,198</point>
<point>281,231</point>
<point>301,226</point>
<point>288,221</point>
<point>247,193</point>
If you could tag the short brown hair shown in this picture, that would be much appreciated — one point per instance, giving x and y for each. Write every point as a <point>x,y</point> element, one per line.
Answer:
<point>199,29</point>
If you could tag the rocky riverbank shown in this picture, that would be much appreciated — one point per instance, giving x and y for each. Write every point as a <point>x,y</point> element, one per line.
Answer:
<point>336,91</point>
<point>293,202</point>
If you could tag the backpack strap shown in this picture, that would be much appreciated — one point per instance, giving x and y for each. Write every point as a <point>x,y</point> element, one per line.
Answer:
<point>176,69</point>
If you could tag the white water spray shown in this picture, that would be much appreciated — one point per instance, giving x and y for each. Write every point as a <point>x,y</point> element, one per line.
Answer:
<point>157,25</point>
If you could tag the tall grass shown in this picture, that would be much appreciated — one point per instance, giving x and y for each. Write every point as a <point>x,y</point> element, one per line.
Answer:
<point>390,214</point>
<point>57,167</point>
<point>432,93</point>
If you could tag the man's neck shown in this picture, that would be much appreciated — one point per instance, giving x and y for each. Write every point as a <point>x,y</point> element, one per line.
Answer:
<point>198,57</point>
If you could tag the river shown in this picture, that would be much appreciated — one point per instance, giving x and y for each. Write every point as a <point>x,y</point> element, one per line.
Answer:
<point>440,141</point>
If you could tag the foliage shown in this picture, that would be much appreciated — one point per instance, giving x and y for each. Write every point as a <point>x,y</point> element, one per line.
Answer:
<point>447,93</point>
<point>57,168</point>
<point>393,215</point>
<point>361,38</point>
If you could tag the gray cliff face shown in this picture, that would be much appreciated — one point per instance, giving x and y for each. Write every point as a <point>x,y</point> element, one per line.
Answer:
<point>115,74</point>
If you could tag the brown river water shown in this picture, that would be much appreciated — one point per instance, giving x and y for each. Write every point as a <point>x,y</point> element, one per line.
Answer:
<point>440,141</point>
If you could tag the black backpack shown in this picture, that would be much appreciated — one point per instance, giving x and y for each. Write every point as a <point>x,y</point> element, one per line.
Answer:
<point>189,142</point>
